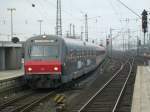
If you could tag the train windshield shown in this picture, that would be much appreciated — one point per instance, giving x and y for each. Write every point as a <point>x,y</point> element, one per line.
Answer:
<point>43,52</point>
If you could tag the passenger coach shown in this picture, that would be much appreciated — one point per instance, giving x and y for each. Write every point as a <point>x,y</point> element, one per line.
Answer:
<point>51,61</point>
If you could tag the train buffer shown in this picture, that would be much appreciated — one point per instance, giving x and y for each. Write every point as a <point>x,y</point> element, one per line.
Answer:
<point>60,101</point>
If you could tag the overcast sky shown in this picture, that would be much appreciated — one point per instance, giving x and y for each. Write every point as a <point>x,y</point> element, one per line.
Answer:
<point>110,12</point>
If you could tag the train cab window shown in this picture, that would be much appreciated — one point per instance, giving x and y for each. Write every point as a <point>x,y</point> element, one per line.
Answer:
<point>40,51</point>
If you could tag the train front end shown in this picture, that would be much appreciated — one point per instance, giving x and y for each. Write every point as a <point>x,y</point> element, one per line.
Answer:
<point>42,64</point>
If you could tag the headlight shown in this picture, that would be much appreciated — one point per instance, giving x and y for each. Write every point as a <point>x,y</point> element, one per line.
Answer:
<point>29,69</point>
<point>56,68</point>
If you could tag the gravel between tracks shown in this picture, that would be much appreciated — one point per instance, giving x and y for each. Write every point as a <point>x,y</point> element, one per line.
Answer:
<point>78,95</point>
<point>88,91</point>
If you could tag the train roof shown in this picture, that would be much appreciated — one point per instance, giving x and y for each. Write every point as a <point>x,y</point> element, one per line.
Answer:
<point>69,41</point>
<point>76,42</point>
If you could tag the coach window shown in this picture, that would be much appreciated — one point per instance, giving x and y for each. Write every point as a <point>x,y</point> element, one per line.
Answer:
<point>91,52</point>
<point>69,54</point>
<point>82,53</point>
<point>86,53</point>
<point>73,53</point>
<point>101,52</point>
<point>78,53</point>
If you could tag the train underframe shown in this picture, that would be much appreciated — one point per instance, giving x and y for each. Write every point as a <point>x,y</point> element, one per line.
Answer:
<point>43,81</point>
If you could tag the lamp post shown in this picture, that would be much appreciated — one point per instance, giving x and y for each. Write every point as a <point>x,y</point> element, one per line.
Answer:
<point>40,21</point>
<point>86,18</point>
<point>11,12</point>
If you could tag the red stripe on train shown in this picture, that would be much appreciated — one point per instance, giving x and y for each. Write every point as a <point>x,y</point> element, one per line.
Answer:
<point>38,66</point>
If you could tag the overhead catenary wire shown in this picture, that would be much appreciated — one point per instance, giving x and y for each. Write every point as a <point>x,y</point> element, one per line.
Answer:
<point>131,10</point>
<point>48,3</point>
<point>63,11</point>
<point>118,14</point>
<point>38,9</point>
<point>115,11</point>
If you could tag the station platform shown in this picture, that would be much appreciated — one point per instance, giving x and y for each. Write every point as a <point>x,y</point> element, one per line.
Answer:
<point>141,95</point>
<point>9,74</point>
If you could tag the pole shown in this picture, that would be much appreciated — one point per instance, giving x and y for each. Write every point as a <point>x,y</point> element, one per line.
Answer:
<point>123,45</point>
<point>70,30</point>
<point>144,39</point>
<point>58,19</point>
<point>67,34</point>
<point>111,42</point>
<point>40,21</point>
<point>128,39</point>
<point>11,11</point>
<point>86,28</point>
<point>81,32</point>
<point>11,24</point>
<point>73,31</point>
<point>137,45</point>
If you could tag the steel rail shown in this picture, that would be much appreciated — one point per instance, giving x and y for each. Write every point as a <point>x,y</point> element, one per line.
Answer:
<point>25,107</point>
<point>12,90</point>
<point>123,88</point>
<point>32,104</point>
<point>105,85</point>
<point>14,100</point>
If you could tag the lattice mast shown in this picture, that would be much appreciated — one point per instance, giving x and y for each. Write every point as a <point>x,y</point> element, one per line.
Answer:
<point>58,19</point>
<point>86,28</point>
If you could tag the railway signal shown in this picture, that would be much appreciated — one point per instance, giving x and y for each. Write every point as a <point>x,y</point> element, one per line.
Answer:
<point>144,21</point>
<point>33,5</point>
<point>107,42</point>
<point>40,21</point>
<point>15,39</point>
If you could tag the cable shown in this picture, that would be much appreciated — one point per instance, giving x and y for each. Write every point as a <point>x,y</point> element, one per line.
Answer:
<point>38,9</point>
<point>66,12</point>
<point>129,8</point>
<point>115,11</point>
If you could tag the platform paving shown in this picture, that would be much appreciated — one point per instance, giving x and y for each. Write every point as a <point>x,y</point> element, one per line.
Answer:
<point>11,74</point>
<point>141,96</point>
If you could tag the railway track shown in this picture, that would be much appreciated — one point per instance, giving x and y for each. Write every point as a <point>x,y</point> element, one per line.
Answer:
<point>12,91</point>
<point>108,97</point>
<point>25,102</point>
